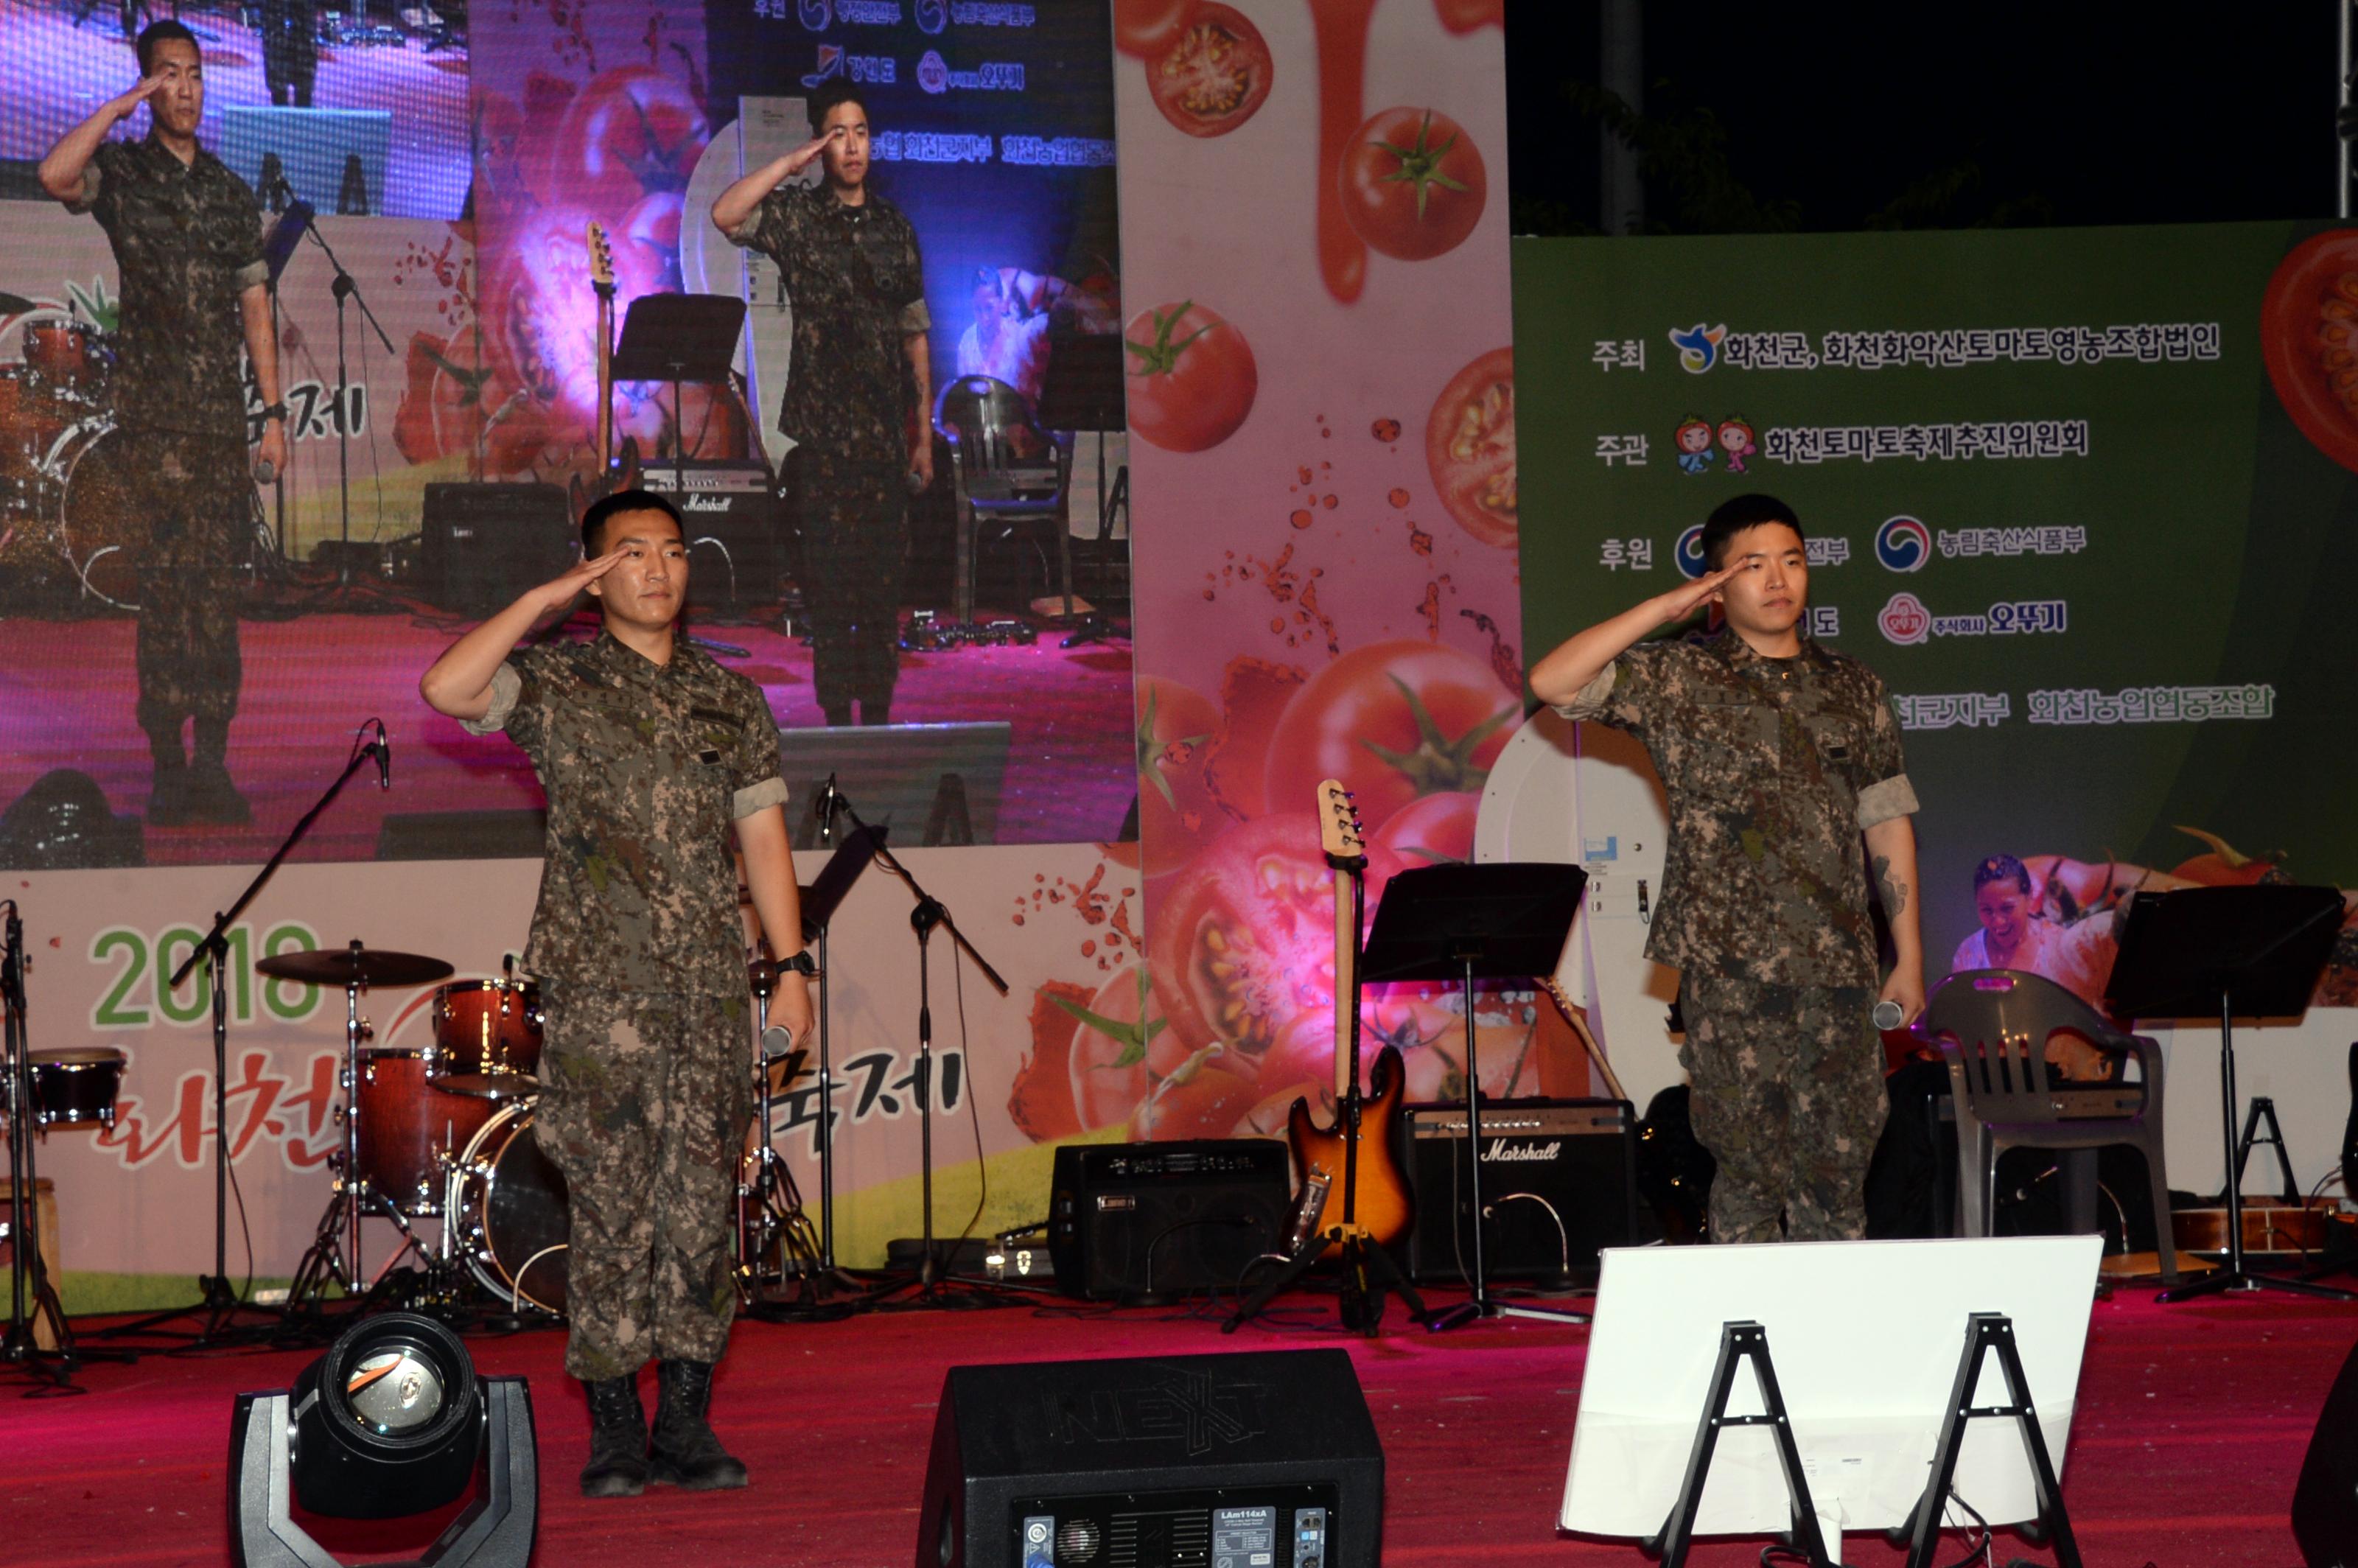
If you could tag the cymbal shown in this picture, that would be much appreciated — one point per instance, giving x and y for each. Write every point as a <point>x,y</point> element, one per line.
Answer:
<point>355,966</point>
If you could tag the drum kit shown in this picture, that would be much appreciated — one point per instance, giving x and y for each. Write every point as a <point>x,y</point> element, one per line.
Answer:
<point>65,521</point>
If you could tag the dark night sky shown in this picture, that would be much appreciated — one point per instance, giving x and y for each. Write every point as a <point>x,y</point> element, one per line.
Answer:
<point>2112,112</point>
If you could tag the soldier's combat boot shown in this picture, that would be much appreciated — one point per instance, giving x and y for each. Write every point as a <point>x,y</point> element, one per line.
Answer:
<point>168,796</point>
<point>687,1454</point>
<point>210,798</point>
<point>618,1440</point>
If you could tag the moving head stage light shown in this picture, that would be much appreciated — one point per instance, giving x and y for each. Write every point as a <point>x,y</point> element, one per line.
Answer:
<point>392,1421</point>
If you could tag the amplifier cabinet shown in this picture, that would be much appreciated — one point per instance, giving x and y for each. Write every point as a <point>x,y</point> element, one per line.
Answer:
<point>1197,1212</point>
<point>1559,1182</point>
<point>484,544</point>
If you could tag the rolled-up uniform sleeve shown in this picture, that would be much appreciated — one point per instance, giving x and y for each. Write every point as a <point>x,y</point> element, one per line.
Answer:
<point>1890,794</point>
<point>1623,691</point>
<point>87,197</point>
<point>507,685</point>
<point>753,773</point>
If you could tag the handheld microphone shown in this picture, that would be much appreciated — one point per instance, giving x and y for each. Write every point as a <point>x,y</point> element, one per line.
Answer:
<point>264,471</point>
<point>384,757</point>
<point>1887,1014</point>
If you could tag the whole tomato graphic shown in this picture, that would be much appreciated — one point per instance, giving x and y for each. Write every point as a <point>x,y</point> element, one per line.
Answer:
<point>1394,721</point>
<point>630,131</point>
<point>1189,375</point>
<point>2309,336</point>
<point>1214,73</point>
<point>1244,938</point>
<point>1469,446</point>
<point>1176,813</point>
<point>1432,830</point>
<point>1413,184</point>
<point>1146,27</point>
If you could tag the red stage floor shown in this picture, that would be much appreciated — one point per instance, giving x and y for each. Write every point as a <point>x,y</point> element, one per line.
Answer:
<point>2193,1421</point>
<point>66,692</point>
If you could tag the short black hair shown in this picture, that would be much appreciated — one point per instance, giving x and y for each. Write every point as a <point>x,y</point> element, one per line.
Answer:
<point>2001,869</point>
<point>1733,517</point>
<point>594,520</point>
<point>823,102</point>
<point>163,32</point>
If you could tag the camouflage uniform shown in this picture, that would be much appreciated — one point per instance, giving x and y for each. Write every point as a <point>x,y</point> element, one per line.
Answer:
<point>856,284</point>
<point>646,1093</point>
<point>1774,768</point>
<point>188,243</point>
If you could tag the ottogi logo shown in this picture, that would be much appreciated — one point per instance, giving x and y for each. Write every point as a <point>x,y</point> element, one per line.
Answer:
<point>1905,620</point>
<point>1903,545</point>
<point>933,74</point>
<point>1698,346</point>
<point>1186,1406</point>
<point>1690,551</point>
<point>1501,1150</point>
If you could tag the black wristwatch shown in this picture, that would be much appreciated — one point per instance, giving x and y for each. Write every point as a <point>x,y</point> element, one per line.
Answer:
<point>801,963</point>
<point>274,411</point>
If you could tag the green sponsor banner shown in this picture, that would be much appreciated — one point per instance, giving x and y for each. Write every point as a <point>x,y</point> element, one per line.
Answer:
<point>2053,491</point>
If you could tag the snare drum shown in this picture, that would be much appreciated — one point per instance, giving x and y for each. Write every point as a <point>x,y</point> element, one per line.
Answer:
<point>77,1087</point>
<point>508,1212</point>
<point>487,1039</point>
<point>408,1127</point>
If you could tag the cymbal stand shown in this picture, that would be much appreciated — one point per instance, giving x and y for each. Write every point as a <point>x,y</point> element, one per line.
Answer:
<point>769,1206</point>
<point>31,1294</point>
<point>335,1249</point>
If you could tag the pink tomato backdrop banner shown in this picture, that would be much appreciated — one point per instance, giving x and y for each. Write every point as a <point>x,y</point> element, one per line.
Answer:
<point>1322,464</point>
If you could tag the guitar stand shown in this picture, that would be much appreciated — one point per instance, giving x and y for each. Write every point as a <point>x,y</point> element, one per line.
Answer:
<point>1747,1341</point>
<point>1369,1275</point>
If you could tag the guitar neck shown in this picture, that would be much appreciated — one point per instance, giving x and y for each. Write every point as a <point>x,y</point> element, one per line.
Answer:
<point>605,379</point>
<point>1347,981</point>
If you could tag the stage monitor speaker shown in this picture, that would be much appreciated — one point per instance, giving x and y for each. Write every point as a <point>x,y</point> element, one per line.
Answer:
<point>484,544</point>
<point>2325,1500</point>
<point>1559,1182</point>
<point>1260,1459</point>
<point>1125,1218</point>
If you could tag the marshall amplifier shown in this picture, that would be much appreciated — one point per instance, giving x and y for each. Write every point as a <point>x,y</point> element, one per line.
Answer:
<point>1559,1181</point>
<point>483,545</point>
<point>1124,1219</point>
<point>730,514</point>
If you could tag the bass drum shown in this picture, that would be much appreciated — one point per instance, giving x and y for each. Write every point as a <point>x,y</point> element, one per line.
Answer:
<point>507,1212</point>
<point>103,535</point>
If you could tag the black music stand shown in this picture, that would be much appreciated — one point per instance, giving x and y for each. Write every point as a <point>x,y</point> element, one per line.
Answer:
<point>2254,952</point>
<point>679,337</point>
<point>1083,390</point>
<point>1497,922</point>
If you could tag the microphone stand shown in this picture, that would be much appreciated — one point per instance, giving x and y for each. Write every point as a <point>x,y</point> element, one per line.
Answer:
<point>219,1301</point>
<point>345,288</point>
<point>928,914</point>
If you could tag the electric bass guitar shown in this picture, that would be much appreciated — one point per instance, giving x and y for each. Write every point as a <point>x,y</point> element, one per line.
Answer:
<point>611,475</point>
<point>1356,1152</point>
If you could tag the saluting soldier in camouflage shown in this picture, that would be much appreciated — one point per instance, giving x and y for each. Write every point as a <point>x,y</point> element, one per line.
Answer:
<point>186,236</point>
<point>1777,755</point>
<point>649,753</point>
<point>857,394</point>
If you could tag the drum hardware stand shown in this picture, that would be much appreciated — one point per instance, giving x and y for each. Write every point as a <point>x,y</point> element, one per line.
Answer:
<point>769,1206</point>
<point>928,913</point>
<point>220,1303</point>
<point>32,1295</point>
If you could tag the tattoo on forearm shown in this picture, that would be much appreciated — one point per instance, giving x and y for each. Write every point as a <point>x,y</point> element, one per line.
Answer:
<point>1895,892</point>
